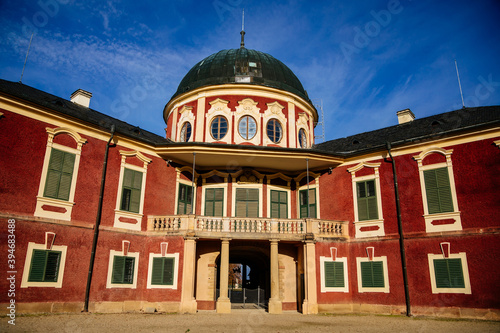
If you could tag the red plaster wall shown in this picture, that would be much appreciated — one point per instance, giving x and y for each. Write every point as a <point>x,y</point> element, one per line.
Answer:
<point>144,245</point>
<point>482,258</point>
<point>390,249</point>
<point>476,167</point>
<point>78,242</point>
<point>19,135</point>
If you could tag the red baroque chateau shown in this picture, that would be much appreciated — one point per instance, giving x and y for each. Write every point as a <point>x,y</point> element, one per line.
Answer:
<point>238,207</point>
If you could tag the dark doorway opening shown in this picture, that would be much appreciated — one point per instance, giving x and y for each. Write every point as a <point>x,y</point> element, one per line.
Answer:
<point>249,276</point>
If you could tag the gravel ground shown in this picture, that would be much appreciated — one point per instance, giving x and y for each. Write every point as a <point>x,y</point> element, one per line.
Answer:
<point>239,321</point>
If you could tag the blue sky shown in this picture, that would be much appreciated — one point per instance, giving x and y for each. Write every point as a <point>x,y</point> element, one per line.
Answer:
<point>365,60</point>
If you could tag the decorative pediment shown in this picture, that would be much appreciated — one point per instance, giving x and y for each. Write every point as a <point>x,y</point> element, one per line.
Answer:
<point>186,115</point>
<point>275,108</point>
<point>247,106</point>
<point>131,153</point>
<point>185,109</point>
<point>65,130</point>
<point>363,165</point>
<point>420,157</point>
<point>219,106</point>
<point>303,120</point>
<point>249,177</point>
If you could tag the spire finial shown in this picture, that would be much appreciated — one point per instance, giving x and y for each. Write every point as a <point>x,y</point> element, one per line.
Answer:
<point>242,44</point>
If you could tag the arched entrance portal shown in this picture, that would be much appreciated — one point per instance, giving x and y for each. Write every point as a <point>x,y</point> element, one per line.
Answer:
<point>248,276</point>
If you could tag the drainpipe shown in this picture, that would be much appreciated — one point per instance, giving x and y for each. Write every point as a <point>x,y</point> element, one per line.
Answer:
<point>192,185</point>
<point>400,229</point>
<point>307,166</point>
<point>97,222</point>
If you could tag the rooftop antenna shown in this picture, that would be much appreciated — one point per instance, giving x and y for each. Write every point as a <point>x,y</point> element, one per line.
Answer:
<point>459,85</point>
<point>319,106</point>
<point>242,44</point>
<point>25,60</point>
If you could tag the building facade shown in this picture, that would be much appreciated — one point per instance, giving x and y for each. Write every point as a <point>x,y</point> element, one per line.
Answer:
<point>107,217</point>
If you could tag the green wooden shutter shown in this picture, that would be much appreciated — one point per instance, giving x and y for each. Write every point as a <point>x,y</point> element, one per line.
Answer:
<point>303,203</point>
<point>252,203</point>
<point>131,190</point>
<point>163,271</point>
<point>118,268</point>
<point>184,202</point>
<point>438,191</point>
<point>157,271</point>
<point>37,267</point>
<point>59,175</point>
<point>214,202</point>
<point>449,273</point>
<point>44,266</point>
<point>372,274</point>
<point>123,270</point>
<point>367,200</point>
<point>247,202</point>
<point>279,204</point>
<point>334,274</point>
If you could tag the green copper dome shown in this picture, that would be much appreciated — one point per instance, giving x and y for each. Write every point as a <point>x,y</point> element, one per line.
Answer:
<point>241,66</point>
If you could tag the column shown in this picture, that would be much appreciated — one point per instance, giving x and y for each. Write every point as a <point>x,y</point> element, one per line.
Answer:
<point>274,301</point>
<point>188,301</point>
<point>223,302</point>
<point>310,305</point>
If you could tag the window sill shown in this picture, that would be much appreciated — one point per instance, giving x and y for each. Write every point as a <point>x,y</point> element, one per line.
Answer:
<point>127,220</point>
<point>53,208</point>
<point>370,228</point>
<point>443,222</point>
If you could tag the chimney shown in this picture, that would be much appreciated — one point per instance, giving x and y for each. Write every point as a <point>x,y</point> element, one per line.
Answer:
<point>81,97</point>
<point>405,116</point>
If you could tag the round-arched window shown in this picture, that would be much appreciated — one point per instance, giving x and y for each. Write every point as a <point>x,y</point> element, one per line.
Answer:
<point>302,138</point>
<point>274,130</point>
<point>247,127</point>
<point>185,132</point>
<point>218,129</point>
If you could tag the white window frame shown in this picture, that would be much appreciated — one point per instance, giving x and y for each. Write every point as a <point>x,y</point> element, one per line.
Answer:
<point>125,214</point>
<point>325,289</point>
<point>358,225</point>
<point>42,201</point>
<point>430,218</point>
<point>112,254</point>
<point>465,269</point>
<point>27,266</point>
<point>150,270</point>
<point>361,289</point>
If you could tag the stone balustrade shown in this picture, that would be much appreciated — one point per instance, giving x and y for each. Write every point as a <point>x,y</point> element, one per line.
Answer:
<point>247,228</point>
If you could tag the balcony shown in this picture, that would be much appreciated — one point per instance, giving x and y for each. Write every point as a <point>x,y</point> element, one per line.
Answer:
<point>247,228</point>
